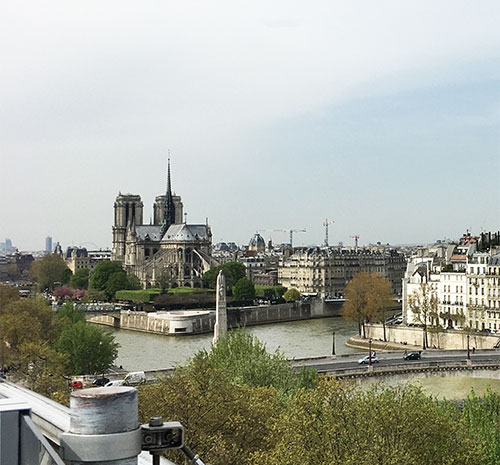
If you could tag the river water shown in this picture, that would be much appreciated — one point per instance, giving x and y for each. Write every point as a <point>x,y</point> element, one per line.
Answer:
<point>296,339</point>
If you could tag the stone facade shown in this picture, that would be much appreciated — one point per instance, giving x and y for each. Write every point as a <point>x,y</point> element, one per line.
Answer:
<point>168,249</point>
<point>326,271</point>
<point>465,283</point>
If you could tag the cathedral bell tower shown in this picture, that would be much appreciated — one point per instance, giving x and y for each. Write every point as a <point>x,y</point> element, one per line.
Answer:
<point>128,209</point>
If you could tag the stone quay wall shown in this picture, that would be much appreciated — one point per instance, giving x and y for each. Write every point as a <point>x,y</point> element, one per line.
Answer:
<point>196,322</point>
<point>449,339</point>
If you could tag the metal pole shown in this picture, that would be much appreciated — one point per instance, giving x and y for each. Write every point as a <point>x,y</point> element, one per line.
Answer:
<point>468,347</point>
<point>370,353</point>
<point>333,344</point>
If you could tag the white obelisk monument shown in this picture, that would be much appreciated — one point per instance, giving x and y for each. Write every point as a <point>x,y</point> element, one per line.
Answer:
<point>220,328</point>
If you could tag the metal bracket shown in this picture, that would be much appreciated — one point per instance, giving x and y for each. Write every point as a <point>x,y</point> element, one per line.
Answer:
<point>101,447</point>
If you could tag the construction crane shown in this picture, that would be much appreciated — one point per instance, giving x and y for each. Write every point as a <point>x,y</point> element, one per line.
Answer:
<point>291,231</point>
<point>355,237</point>
<point>326,224</point>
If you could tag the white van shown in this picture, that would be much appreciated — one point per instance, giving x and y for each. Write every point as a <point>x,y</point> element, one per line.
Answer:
<point>134,377</point>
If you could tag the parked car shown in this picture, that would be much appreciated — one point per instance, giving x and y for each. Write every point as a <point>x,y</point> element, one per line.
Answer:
<point>116,382</point>
<point>412,356</point>
<point>366,360</point>
<point>100,381</point>
<point>76,384</point>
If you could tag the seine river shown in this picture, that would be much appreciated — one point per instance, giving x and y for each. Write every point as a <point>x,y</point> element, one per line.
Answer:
<point>307,338</point>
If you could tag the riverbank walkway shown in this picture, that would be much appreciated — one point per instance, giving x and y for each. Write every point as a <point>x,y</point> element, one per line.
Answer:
<point>358,342</point>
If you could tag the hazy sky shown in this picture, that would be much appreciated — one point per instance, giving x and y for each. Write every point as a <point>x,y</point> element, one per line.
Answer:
<point>381,115</point>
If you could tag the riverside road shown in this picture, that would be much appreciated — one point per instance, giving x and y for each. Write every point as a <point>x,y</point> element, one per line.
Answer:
<point>333,364</point>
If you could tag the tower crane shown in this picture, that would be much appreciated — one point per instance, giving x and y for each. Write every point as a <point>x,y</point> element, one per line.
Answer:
<point>326,224</point>
<point>355,237</point>
<point>291,231</point>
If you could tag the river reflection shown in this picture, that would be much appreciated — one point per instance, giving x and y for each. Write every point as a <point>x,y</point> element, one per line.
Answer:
<point>296,339</point>
<point>441,387</point>
<point>457,387</point>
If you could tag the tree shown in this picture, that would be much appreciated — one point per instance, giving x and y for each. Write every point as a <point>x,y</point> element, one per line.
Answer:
<point>63,292</point>
<point>381,298</point>
<point>291,295</point>
<point>25,321</point>
<point>7,294</point>
<point>69,314</point>
<point>91,349</point>
<point>164,280</point>
<point>28,319</point>
<point>424,305</point>
<point>133,282</point>
<point>367,296</point>
<point>42,369</point>
<point>226,398</point>
<point>482,418</point>
<point>245,361</point>
<point>233,272</point>
<point>338,424</point>
<point>116,282</point>
<point>102,273</point>
<point>225,423</point>
<point>80,280</point>
<point>244,290</point>
<point>49,271</point>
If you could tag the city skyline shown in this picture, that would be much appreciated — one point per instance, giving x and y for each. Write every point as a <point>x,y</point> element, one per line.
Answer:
<point>382,117</point>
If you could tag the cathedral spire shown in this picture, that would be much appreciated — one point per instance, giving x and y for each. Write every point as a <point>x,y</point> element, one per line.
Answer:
<point>169,201</point>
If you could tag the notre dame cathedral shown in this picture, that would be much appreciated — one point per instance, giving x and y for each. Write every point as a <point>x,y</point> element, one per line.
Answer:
<point>168,249</point>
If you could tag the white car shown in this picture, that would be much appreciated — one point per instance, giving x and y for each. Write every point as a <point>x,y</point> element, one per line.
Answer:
<point>366,360</point>
<point>116,382</point>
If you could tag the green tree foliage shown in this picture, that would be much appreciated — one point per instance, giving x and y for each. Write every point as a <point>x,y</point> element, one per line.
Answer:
<point>482,417</point>
<point>24,321</point>
<point>28,320</point>
<point>42,369</point>
<point>116,282</point>
<point>244,290</point>
<point>367,296</point>
<point>225,423</point>
<point>336,424</point>
<point>7,294</point>
<point>424,305</point>
<point>270,292</point>
<point>102,272</point>
<point>80,280</point>
<point>233,272</point>
<point>291,295</point>
<point>69,314</point>
<point>91,349</point>
<point>226,398</point>
<point>245,361</point>
<point>133,282</point>
<point>49,270</point>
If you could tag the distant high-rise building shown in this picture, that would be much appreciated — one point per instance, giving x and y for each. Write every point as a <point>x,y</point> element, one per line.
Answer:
<point>8,243</point>
<point>48,244</point>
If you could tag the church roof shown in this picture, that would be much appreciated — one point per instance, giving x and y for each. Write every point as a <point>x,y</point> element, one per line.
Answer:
<point>149,232</point>
<point>186,232</point>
